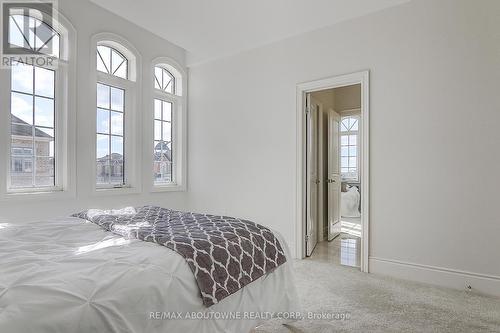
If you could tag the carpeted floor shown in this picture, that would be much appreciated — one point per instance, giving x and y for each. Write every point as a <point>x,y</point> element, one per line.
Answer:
<point>379,304</point>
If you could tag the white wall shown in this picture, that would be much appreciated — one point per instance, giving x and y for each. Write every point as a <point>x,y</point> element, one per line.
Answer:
<point>89,19</point>
<point>435,110</point>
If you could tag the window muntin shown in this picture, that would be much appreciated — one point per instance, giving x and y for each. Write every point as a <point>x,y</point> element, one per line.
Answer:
<point>110,152</point>
<point>349,148</point>
<point>164,80</point>
<point>40,37</point>
<point>163,144</point>
<point>111,61</point>
<point>33,100</point>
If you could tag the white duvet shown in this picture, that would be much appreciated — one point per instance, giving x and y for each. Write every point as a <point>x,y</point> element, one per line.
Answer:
<point>67,275</point>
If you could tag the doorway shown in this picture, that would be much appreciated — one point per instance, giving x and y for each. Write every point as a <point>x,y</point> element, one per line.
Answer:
<point>333,200</point>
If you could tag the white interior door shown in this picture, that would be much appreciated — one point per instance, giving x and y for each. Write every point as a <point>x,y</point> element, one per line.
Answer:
<point>312,175</point>
<point>334,180</point>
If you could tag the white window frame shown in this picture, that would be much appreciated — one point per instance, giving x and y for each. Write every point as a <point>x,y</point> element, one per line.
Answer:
<point>179,126</point>
<point>351,114</point>
<point>65,122</point>
<point>132,106</point>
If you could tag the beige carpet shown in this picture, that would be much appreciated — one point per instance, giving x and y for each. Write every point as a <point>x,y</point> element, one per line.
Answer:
<point>379,304</point>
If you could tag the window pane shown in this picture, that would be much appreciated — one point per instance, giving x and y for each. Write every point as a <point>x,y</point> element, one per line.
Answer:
<point>116,171</point>
<point>344,151</point>
<point>15,35</point>
<point>344,170</point>
<point>117,123</point>
<point>158,78</point>
<point>168,82</point>
<point>167,132</point>
<point>102,121</point>
<point>157,149</point>
<point>21,172</point>
<point>353,151</point>
<point>344,125</point>
<point>43,36</point>
<point>354,124</point>
<point>44,112</point>
<point>22,139</point>
<point>44,173</point>
<point>102,171</point>
<point>118,64</point>
<point>157,130</point>
<point>54,43</point>
<point>352,139</point>
<point>117,99</point>
<point>44,82</point>
<point>122,70</point>
<point>158,109</point>
<point>353,162</point>
<point>22,108</point>
<point>103,94</point>
<point>105,54</point>
<point>167,111</point>
<point>162,172</point>
<point>44,141</point>
<point>116,166</point>
<point>102,146</point>
<point>116,61</point>
<point>116,148</point>
<point>344,162</point>
<point>100,64</point>
<point>344,140</point>
<point>22,78</point>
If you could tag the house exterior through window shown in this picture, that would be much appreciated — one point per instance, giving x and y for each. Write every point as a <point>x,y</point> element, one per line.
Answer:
<point>34,87</point>
<point>112,66</point>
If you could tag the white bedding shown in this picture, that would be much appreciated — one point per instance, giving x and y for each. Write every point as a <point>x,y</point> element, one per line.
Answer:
<point>67,275</point>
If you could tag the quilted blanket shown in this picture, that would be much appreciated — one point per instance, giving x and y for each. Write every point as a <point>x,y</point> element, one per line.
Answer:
<point>224,253</point>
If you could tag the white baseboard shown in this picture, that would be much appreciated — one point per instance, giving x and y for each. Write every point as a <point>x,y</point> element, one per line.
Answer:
<point>444,277</point>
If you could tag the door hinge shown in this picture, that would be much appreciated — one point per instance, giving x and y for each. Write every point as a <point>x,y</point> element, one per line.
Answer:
<point>307,238</point>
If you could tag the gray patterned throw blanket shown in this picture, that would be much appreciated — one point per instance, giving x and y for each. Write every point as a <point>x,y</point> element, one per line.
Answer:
<point>224,253</point>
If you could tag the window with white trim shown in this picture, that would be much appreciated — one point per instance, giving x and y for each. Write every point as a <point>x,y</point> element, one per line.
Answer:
<point>112,88</point>
<point>110,160</point>
<point>167,111</point>
<point>349,148</point>
<point>36,105</point>
<point>163,152</point>
<point>117,143</point>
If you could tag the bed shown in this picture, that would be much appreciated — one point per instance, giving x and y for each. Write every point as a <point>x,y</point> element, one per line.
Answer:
<point>69,275</point>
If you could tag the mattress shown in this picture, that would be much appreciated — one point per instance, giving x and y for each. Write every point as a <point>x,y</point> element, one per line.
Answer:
<point>68,275</point>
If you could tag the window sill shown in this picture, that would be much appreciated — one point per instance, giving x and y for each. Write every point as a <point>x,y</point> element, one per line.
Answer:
<point>103,191</point>
<point>49,194</point>
<point>168,188</point>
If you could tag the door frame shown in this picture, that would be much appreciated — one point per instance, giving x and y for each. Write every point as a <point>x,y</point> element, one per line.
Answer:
<point>363,78</point>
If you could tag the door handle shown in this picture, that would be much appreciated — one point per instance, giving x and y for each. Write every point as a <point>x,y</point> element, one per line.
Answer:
<point>331,181</point>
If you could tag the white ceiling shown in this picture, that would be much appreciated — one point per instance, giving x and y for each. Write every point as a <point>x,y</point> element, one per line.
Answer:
<point>209,29</point>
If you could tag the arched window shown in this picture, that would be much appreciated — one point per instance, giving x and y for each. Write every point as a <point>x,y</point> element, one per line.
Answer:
<point>115,112</point>
<point>164,80</point>
<point>168,125</point>
<point>39,95</point>
<point>40,37</point>
<point>349,148</point>
<point>111,61</point>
